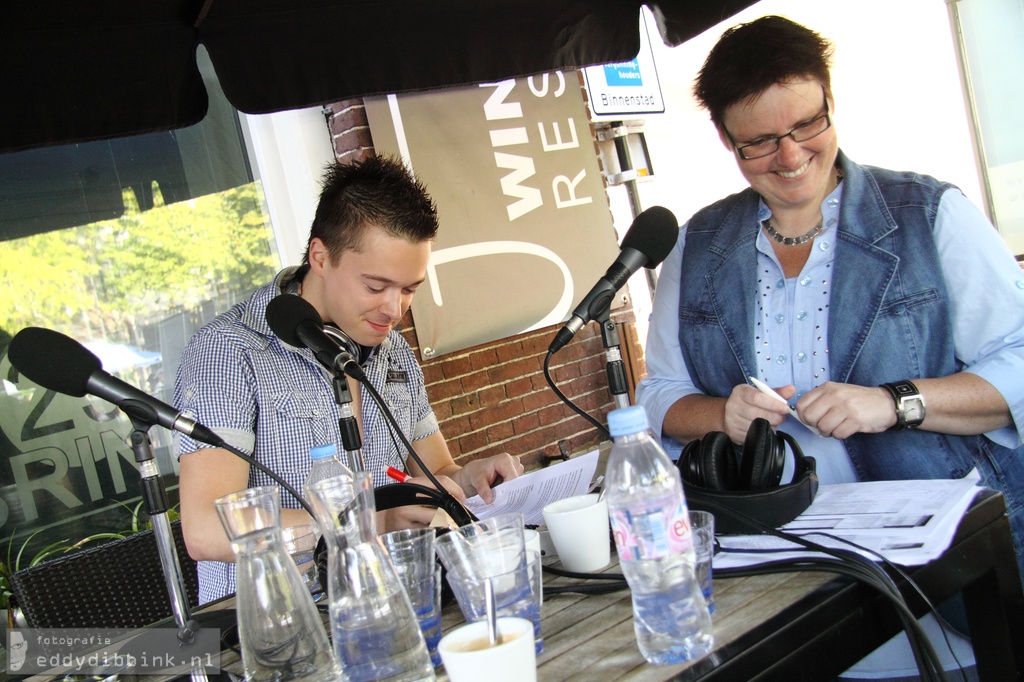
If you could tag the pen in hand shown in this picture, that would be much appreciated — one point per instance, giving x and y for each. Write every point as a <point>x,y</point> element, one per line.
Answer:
<point>770,392</point>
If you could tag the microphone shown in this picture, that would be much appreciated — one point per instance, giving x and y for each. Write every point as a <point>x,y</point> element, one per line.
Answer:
<point>296,322</point>
<point>647,242</point>
<point>59,363</point>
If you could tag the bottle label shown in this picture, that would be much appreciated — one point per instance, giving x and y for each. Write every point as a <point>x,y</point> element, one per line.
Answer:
<point>652,531</point>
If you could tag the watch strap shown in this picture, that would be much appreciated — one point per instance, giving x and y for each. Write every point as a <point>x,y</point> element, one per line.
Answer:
<point>902,391</point>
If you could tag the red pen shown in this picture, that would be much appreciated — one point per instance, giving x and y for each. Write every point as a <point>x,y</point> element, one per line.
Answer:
<point>399,476</point>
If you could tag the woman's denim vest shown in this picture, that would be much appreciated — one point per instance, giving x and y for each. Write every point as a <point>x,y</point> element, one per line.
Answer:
<point>889,319</point>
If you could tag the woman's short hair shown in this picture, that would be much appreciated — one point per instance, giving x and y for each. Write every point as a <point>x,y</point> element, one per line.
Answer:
<point>377,190</point>
<point>750,58</point>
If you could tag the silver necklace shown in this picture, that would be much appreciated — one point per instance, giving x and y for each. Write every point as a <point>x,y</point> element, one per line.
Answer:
<point>806,237</point>
<point>791,241</point>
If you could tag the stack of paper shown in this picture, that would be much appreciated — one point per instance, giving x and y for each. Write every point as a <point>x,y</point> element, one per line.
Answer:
<point>907,522</point>
<point>532,491</point>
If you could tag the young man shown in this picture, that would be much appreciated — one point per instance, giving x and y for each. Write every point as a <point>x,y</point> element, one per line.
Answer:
<point>367,254</point>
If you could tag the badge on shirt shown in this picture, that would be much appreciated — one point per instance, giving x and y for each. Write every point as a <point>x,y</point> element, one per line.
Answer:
<point>397,376</point>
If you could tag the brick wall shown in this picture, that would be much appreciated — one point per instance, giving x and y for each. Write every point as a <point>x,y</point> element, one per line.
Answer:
<point>494,397</point>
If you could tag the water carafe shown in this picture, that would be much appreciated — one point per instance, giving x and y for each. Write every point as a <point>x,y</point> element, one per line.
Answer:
<point>279,629</point>
<point>374,627</point>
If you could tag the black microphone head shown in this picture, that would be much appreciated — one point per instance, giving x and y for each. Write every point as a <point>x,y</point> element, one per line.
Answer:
<point>653,233</point>
<point>52,360</point>
<point>284,315</point>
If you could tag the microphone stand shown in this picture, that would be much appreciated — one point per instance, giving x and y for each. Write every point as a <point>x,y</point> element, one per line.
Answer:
<point>618,384</point>
<point>154,494</point>
<point>347,424</point>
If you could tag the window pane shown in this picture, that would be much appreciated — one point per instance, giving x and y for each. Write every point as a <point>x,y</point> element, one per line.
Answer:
<point>993,42</point>
<point>127,246</point>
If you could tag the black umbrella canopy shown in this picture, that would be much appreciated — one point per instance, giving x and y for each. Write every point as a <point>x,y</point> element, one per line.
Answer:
<point>78,71</point>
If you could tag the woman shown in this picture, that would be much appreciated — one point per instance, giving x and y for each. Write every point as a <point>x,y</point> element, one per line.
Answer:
<point>882,305</point>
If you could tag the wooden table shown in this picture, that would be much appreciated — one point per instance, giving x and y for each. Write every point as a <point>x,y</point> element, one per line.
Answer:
<point>798,626</point>
<point>794,626</point>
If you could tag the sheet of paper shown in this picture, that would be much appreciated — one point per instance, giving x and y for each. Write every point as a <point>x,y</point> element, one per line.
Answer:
<point>532,491</point>
<point>908,522</point>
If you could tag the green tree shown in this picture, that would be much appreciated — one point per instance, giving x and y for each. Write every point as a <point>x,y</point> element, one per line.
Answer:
<point>104,279</point>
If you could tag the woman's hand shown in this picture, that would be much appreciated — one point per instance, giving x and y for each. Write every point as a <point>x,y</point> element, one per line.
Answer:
<point>746,403</point>
<point>841,410</point>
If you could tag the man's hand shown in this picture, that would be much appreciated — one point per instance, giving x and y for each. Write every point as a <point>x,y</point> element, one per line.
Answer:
<point>446,482</point>
<point>480,475</point>
<point>413,515</point>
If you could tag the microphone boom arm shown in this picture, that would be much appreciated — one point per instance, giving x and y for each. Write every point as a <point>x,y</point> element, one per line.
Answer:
<point>351,441</point>
<point>618,383</point>
<point>154,494</point>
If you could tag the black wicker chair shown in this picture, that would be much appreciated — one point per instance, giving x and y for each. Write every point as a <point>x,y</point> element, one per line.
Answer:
<point>118,584</point>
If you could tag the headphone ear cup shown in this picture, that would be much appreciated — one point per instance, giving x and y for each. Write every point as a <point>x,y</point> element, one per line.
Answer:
<point>763,458</point>
<point>690,467</point>
<point>709,462</point>
<point>344,340</point>
<point>719,456</point>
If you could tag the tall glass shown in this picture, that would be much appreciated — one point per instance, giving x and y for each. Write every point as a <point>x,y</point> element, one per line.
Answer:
<point>279,629</point>
<point>373,624</point>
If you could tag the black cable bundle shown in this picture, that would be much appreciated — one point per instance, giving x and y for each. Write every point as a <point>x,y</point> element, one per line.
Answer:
<point>856,567</point>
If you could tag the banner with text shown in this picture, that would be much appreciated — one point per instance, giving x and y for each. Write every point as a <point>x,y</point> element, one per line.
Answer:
<point>526,228</point>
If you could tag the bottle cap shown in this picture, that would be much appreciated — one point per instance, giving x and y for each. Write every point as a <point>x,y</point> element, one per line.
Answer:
<point>323,451</point>
<point>627,421</point>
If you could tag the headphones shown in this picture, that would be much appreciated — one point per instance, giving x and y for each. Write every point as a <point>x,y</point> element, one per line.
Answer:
<point>741,486</point>
<point>361,353</point>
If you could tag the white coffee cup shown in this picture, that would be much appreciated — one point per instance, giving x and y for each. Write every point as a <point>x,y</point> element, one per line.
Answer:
<point>578,527</point>
<point>469,657</point>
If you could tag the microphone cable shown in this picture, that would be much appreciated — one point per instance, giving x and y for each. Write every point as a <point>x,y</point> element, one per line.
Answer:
<point>926,658</point>
<point>238,452</point>
<point>852,565</point>
<point>547,376</point>
<point>611,582</point>
<point>396,429</point>
<point>944,625</point>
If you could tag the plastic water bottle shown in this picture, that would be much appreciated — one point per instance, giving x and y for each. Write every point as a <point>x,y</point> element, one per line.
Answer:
<point>325,464</point>
<point>651,525</point>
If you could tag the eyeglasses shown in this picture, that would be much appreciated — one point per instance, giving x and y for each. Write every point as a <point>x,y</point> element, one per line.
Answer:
<point>769,145</point>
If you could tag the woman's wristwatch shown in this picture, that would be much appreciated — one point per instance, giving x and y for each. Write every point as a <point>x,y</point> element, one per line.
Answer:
<point>909,404</point>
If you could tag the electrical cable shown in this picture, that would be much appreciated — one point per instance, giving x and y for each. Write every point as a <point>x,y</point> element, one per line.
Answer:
<point>860,568</point>
<point>561,572</point>
<point>277,479</point>
<point>412,453</point>
<point>924,653</point>
<point>944,626</point>
<point>547,375</point>
<point>612,582</point>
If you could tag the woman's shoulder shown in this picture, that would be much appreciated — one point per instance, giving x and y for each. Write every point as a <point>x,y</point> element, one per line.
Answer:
<point>887,179</point>
<point>712,213</point>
